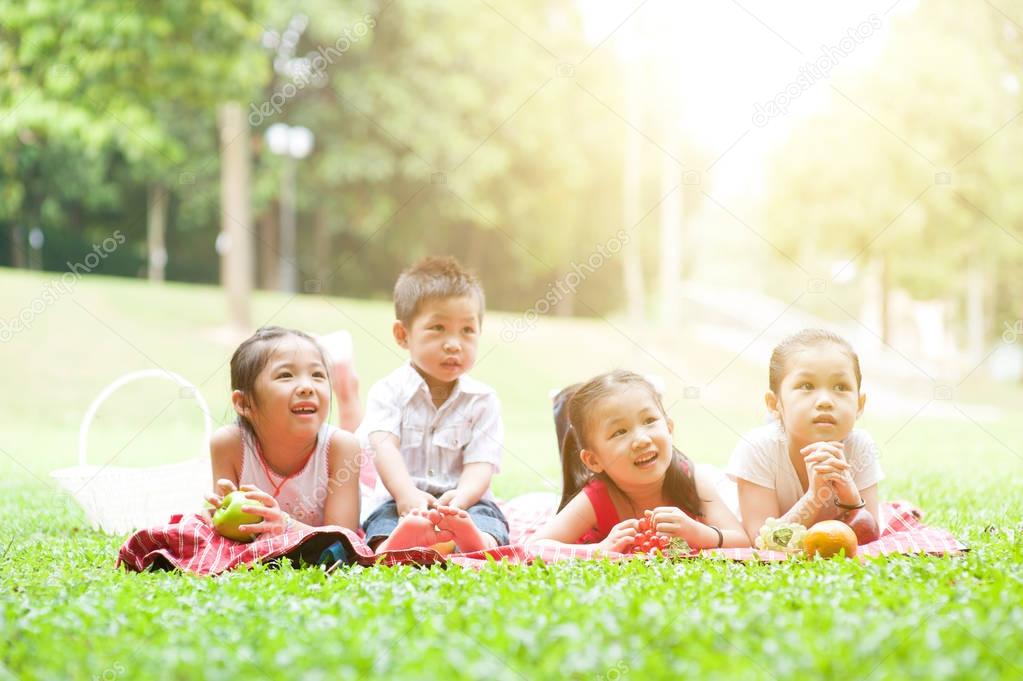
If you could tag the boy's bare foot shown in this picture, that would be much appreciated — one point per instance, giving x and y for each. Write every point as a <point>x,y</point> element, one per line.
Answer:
<point>463,530</point>
<point>416,530</point>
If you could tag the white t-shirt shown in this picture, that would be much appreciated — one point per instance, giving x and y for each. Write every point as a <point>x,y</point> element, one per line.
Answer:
<point>762,457</point>
<point>435,443</point>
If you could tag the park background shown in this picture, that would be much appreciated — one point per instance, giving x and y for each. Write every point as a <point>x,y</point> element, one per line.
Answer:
<point>668,187</point>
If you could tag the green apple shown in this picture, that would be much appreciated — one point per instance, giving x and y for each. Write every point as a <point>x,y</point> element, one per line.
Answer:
<point>229,517</point>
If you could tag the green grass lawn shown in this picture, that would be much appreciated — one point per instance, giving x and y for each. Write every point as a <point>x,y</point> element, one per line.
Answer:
<point>66,613</point>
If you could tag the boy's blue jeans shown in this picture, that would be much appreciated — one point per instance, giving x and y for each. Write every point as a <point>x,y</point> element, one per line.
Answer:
<point>485,515</point>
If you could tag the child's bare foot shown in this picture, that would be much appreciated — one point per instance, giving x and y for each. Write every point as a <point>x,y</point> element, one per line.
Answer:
<point>346,382</point>
<point>346,387</point>
<point>417,529</point>
<point>463,530</point>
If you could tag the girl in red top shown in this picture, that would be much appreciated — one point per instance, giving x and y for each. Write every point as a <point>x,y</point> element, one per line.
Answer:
<point>619,466</point>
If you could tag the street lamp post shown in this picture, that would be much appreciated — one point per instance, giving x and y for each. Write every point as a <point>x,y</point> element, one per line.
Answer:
<point>293,143</point>
<point>35,242</point>
<point>234,243</point>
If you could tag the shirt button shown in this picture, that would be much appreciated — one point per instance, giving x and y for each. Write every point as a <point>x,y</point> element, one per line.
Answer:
<point>430,472</point>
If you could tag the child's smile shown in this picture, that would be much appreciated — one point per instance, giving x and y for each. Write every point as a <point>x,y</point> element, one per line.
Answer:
<point>305,409</point>
<point>647,460</point>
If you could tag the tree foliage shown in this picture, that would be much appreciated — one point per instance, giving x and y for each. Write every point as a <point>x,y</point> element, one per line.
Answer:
<point>912,160</point>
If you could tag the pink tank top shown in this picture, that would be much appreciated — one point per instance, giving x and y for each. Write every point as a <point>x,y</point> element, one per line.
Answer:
<point>303,496</point>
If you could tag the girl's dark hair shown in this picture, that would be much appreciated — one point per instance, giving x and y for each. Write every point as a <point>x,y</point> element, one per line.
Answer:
<point>251,357</point>
<point>802,340</point>
<point>572,409</point>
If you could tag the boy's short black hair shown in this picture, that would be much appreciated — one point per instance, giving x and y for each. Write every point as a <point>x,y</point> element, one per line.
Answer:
<point>433,278</point>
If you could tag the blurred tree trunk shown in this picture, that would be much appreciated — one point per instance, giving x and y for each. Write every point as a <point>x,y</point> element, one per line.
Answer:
<point>322,245</point>
<point>18,246</point>
<point>632,265</point>
<point>671,225</point>
<point>976,316</point>
<point>156,224</point>
<point>565,307</point>
<point>874,314</point>
<point>235,214</point>
<point>886,288</point>
<point>474,249</point>
<point>268,275</point>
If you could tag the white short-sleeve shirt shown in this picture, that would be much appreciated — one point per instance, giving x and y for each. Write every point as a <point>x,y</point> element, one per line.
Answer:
<point>762,457</point>
<point>435,442</point>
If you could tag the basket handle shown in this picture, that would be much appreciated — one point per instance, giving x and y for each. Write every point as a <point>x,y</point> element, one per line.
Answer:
<point>90,414</point>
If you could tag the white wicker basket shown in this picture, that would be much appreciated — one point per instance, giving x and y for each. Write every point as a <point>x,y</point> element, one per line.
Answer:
<point>119,499</point>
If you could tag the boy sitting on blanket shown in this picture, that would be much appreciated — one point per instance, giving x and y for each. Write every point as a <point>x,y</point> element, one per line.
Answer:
<point>435,433</point>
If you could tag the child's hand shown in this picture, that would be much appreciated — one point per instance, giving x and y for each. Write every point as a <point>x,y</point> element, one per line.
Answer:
<point>841,480</point>
<point>275,520</point>
<point>671,521</point>
<point>208,509</point>
<point>451,498</point>
<point>826,465</point>
<point>225,487</point>
<point>213,501</point>
<point>835,448</point>
<point>620,537</point>
<point>414,499</point>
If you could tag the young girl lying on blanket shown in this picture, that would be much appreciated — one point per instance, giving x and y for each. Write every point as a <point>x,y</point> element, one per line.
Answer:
<point>619,466</point>
<point>809,463</point>
<point>293,465</point>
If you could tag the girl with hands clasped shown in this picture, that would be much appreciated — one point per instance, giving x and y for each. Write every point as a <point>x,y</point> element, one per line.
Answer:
<point>621,474</point>
<point>809,463</point>
<point>295,467</point>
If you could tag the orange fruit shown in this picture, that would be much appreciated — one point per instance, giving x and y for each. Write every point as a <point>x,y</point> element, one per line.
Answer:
<point>827,538</point>
<point>444,548</point>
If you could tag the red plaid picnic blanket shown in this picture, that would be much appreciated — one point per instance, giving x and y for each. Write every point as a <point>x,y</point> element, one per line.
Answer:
<point>902,532</point>
<point>186,543</point>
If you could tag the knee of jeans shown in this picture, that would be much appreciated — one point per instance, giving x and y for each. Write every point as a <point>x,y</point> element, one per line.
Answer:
<point>494,512</point>
<point>484,512</point>
<point>388,508</point>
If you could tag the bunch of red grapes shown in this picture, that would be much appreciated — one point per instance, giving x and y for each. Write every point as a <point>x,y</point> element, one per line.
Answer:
<point>647,540</point>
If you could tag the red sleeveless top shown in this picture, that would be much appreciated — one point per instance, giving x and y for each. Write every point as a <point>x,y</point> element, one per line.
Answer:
<point>607,514</point>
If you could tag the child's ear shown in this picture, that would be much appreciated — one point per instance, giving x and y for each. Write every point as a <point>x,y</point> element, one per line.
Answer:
<point>773,405</point>
<point>400,333</point>
<point>863,401</point>
<point>671,426</point>
<point>240,403</point>
<point>589,460</point>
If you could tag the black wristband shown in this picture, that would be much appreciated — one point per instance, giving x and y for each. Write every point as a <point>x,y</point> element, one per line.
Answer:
<point>721,536</point>
<point>850,507</point>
